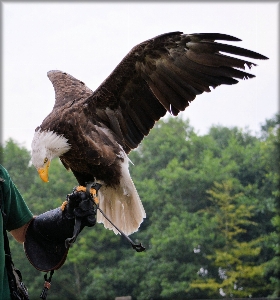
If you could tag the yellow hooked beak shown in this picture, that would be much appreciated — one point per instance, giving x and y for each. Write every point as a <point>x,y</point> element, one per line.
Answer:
<point>44,172</point>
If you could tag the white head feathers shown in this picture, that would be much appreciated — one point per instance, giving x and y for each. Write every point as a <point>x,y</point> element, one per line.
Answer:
<point>47,144</point>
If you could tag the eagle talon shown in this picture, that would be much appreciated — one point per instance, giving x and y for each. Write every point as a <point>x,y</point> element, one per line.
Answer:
<point>96,200</point>
<point>63,205</point>
<point>90,190</point>
<point>80,188</point>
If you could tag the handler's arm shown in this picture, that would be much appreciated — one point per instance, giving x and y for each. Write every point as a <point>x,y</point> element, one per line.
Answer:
<point>19,233</point>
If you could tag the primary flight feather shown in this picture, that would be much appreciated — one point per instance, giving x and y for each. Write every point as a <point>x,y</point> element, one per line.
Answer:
<point>92,132</point>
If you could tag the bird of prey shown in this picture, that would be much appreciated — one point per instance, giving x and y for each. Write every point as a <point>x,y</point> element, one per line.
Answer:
<point>93,131</point>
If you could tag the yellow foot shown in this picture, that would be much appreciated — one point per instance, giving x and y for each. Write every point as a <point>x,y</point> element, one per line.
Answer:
<point>92,191</point>
<point>63,205</point>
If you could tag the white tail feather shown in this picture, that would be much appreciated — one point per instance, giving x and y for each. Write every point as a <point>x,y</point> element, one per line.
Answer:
<point>121,204</point>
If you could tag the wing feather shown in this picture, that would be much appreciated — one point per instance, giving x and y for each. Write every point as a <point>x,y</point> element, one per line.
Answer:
<point>160,75</point>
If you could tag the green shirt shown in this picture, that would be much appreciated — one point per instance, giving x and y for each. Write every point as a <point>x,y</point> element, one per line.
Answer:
<point>17,214</point>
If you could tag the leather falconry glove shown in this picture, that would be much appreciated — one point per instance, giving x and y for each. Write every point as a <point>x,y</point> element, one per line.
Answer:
<point>50,235</point>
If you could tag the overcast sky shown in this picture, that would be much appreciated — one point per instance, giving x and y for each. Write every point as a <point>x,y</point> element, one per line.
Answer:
<point>88,40</point>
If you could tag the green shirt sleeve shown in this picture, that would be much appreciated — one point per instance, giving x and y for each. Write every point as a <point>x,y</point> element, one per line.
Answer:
<point>14,206</point>
<point>17,214</point>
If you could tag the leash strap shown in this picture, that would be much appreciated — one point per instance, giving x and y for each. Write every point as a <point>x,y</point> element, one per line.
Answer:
<point>47,285</point>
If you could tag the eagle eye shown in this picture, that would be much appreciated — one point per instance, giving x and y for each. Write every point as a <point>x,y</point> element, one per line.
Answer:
<point>45,160</point>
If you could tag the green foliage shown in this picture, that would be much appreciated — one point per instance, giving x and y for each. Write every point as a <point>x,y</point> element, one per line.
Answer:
<point>16,160</point>
<point>239,274</point>
<point>212,226</point>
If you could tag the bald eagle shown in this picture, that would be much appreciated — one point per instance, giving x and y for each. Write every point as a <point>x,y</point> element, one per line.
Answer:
<point>92,132</point>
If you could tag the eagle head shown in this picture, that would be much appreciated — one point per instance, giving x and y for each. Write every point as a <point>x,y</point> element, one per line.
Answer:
<point>47,145</point>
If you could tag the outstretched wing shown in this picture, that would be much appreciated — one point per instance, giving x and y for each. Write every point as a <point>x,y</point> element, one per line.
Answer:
<point>164,74</point>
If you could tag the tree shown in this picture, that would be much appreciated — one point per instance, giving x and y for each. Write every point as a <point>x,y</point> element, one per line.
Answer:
<point>16,160</point>
<point>270,150</point>
<point>234,259</point>
<point>184,231</point>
